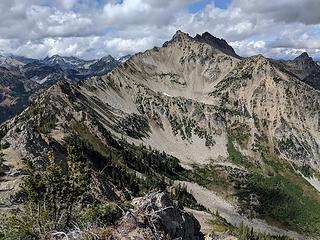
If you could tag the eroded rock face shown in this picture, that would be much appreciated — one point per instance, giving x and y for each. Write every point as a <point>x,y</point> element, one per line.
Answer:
<point>157,217</point>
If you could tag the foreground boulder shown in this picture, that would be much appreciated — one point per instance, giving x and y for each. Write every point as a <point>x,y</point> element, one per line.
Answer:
<point>156,216</point>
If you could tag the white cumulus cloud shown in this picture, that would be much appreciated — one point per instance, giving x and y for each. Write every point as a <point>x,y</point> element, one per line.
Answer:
<point>92,28</point>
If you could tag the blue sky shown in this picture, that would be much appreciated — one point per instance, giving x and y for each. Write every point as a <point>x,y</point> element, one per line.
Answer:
<point>95,28</point>
<point>198,6</point>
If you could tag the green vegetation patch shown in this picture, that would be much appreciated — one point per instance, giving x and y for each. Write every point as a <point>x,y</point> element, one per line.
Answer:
<point>282,201</point>
<point>280,195</point>
<point>219,226</point>
<point>235,155</point>
<point>218,178</point>
<point>241,134</point>
<point>272,190</point>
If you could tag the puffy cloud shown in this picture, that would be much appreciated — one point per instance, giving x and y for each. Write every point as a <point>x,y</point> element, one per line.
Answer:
<point>121,46</point>
<point>142,12</point>
<point>270,28</point>
<point>66,4</point>
<point>288,11</point>
<point>93,28</point>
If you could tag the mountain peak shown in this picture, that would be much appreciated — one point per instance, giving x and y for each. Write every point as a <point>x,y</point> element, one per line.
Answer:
<point>215,42</point>
<point>54,56</point>
<point>179,33</point>
<point>207,38</point>
<point>179,36</point>
<point>259,56</point>
<point>108,58</point>
<point>303,57</point>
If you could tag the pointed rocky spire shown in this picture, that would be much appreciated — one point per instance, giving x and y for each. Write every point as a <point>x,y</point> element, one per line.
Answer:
<point>306,60</point>
<point>215,42</point>
<point>303,56</point>
<point>179,35</point>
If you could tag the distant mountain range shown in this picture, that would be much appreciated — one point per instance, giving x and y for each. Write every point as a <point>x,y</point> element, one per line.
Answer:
<point>21,77</point>
<point>58,67</point>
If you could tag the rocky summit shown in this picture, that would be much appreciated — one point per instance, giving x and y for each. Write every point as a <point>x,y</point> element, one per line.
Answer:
<point>235,140</point>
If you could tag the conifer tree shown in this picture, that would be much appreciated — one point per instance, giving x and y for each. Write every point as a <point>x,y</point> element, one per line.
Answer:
<point>52,194</point>
<point>1,163</point>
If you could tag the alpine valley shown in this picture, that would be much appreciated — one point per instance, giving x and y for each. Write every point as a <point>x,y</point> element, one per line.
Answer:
<point>179,137</point>
<point>23,78</point>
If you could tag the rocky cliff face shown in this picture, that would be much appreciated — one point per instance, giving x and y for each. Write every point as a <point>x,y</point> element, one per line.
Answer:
<point>194,99</point>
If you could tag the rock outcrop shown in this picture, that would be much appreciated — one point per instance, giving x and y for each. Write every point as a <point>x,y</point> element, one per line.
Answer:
<point>157,217</point>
